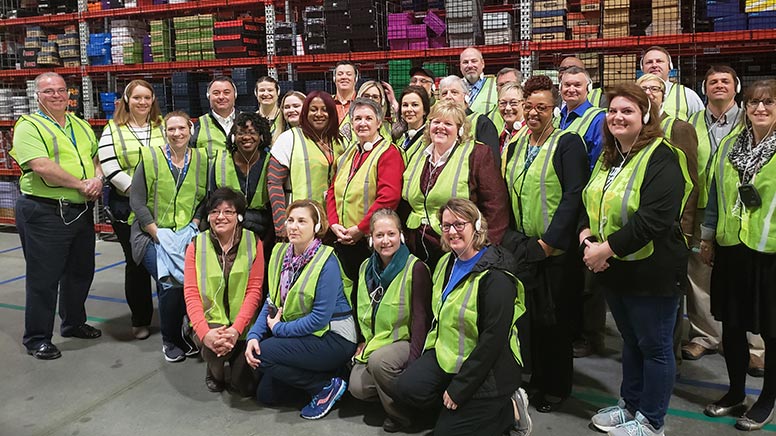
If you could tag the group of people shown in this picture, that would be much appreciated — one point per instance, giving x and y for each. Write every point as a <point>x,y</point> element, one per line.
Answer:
<point>424,251</point>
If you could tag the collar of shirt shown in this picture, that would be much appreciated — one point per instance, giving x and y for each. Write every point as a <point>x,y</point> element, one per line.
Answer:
<point>728,117</point>
<point>429,151</point>
<point>225,121</point>
<point>477,86</point>
<point>579,111</point>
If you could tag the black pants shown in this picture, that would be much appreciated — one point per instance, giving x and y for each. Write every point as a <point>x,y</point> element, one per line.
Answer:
<point>422,385</point>
<point>58,245</point>
<point>137,280</point>
<point>351,257</point>
<point>552,359</point>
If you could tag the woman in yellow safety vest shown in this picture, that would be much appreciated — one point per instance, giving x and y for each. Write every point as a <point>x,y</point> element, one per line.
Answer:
<point>510,110</point>
<point>367,178</point>
<point>242,166</point>
<point>452,165</point>
<point>267,92</point>
<point>375,91</point>
<point>168,187</point>
<point>137,123</point>
<point>545,171</point>
<point>224,273</point>
<point>291,105</point>
<point>739,241</point>
<point>305,333</point>
<point>301,165</point>
<point>392,306</point>
<point>632,242</point>
<point>472,356</point>
<point>414,107</point>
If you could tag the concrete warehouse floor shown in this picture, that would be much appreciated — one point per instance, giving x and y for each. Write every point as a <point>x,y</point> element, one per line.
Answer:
<point>120,386</point>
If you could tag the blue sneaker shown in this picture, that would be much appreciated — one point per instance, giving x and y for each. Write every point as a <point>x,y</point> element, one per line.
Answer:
<point>325,399</point>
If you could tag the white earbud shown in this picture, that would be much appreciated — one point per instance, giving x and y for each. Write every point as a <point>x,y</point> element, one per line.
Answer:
<point>646,116</point>
<point>401,237</point>
<point>240,218</point>
<point>478,223</point>
<point>460,131</point>
<point>556,112</point>
<point>317,227</point>
<point>369,242</point>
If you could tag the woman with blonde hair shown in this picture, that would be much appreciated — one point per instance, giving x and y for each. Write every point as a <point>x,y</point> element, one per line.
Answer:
<point>452,165</point>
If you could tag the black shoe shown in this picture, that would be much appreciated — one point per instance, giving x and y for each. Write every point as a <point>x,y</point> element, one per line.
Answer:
<point>45,351</point>
<point>213,385</point>
<point>83,331</point>
<point>543,405</point>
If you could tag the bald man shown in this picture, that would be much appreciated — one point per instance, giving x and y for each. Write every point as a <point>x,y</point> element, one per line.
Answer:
<point>483,95</point>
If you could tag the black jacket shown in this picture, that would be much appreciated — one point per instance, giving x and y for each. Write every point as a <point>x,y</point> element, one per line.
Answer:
<point>490,371</point>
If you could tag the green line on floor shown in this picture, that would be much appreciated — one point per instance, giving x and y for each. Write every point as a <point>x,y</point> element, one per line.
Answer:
<point>17,307</point>
<point>604,400</point>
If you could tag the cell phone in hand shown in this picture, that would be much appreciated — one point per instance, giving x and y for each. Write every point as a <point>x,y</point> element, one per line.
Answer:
<point>273,310</point>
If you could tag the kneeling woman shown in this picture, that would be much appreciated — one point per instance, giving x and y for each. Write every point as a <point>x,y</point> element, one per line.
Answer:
<point>222,287</point>
<point>305,332</point>
<point>472,357</point>
<point>393,301</point>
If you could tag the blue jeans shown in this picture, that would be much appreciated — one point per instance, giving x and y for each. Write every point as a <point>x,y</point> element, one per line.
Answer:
<point>646,324</point>
<point>172,306</point>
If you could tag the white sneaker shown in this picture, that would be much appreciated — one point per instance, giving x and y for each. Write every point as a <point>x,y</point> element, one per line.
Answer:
<point>610,417</point>
<point>523,426</point>
<point>639,426</point>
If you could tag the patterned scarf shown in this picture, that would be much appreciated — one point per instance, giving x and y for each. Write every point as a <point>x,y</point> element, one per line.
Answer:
<point>747,158</point>
<point>293,266</point>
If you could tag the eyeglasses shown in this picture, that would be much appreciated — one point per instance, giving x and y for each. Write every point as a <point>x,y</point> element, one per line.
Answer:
<point>458,225</point>
<point>755,103</point>
<point>50,92</point>
<point>652,89</point>
<point>511,103</point>
<point>227,213</point>
<point>539,107</point>
<point>416,80</point>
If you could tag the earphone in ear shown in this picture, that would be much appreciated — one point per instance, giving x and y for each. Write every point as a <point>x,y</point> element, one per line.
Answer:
<point>738,86</point>
<point>478,223</point>
<point>369,242</point>
<point>232,139</point>
<point>646,116</point>
<point>467,99</point>
<point>191,128</point>
<point>589,84</point>
<point>460,131</point>
<point>317,227</point>
<point>37,97</point>
<point>240,218</point>
<point>556,112</point>
<point>368,146</point>
<point>126,95</point>
<point>401,238</point>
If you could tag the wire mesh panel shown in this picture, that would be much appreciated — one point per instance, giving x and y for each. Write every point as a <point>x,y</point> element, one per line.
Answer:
<point>464,22</point>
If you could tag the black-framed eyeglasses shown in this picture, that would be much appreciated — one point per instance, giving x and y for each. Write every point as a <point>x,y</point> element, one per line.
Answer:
<point>458,226</point>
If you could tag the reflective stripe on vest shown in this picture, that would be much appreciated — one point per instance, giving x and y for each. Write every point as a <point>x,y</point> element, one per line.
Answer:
<point>226,175</point>
<point>128,154</point>
<point>210,278</point>
<point>391,322</point>
<point>353,206</point>
<point>454,332</point>
<point>708,160</point>
<point>473,117</point>
<point>75,159</point>
<point>535,193</point>
<point>626,197</point>
<point>214,138</point>
<point>179,204</point>
<point>452,182</point>
<point>594,97</point>
<point>308,169</point>
<point>497,119</point>
<point>728,225</point>
<point>754,227</point>
<point>675,102</point>
<point>667,125</point>
<point>582,124</point>
<point>487,98</point>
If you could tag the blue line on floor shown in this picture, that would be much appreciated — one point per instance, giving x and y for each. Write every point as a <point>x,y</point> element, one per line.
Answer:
<point>110,299</point>
<point>10,249</point>
<point>710,385</point>
<point>113,265</point>
<point>12,279</point>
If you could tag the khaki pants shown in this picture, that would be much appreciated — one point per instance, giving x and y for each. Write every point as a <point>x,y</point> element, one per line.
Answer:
<point>377,378</point>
